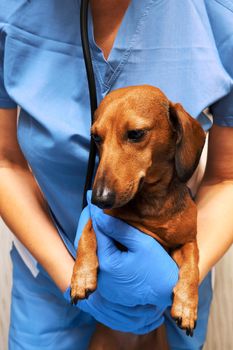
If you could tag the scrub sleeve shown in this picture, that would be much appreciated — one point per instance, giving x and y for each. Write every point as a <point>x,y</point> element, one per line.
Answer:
<point>177,46</point>
<point>222,109</point>
<point>5,100</point>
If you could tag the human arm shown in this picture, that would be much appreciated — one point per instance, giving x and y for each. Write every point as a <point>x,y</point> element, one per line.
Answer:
<point>215,200</point>
<point>215,196</point>
<point>24,209</point>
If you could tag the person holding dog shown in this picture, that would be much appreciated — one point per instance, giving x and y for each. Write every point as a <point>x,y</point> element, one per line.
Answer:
<point>176,46</point>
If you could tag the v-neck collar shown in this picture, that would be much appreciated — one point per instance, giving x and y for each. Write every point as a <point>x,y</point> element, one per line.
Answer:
<point>107,70</point>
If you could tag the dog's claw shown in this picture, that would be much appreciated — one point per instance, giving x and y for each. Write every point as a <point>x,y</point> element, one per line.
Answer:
<point>74,301</point>
<point>75,298</point>
<point>189,332</point>
<point>178,321</point>
<point>184,312</point>
<point>88,293</point>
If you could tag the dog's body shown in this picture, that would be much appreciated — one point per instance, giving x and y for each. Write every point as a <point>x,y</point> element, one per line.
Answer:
<point>148,149</point>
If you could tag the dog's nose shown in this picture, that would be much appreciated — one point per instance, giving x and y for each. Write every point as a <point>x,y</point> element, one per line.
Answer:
<point>103,198</point>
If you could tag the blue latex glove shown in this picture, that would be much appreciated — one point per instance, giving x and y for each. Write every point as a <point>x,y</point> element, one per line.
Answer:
<point>145,274</point>
<point>140,319</point>
<point>128,282</point>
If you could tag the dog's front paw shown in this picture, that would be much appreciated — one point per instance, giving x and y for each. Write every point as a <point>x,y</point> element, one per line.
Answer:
<point>184,308</point>
<point>84,279</point>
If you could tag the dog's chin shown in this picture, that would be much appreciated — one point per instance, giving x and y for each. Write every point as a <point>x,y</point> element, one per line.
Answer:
<point>124,198</point>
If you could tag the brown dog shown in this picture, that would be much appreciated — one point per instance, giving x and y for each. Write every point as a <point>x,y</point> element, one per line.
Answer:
<point>148,147</point>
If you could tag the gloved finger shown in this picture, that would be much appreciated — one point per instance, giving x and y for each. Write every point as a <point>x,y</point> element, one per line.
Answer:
<point>84,217</point>
<point>128,319</point>
<point>94,210</point>
<point>136,314</point>
<point>110,257</point>
<point>102,305</point>
<point>120,231</point>
<point>105,245</point>
<point>89,194</point>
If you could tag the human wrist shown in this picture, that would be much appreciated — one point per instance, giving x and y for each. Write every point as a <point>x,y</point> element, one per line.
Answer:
<point>61,270</point>
<point>66,273</point>
<point>205,263</point>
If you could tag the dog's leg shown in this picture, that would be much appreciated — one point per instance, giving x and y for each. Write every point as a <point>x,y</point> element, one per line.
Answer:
<point>184,307</point>
<point>84,278</point>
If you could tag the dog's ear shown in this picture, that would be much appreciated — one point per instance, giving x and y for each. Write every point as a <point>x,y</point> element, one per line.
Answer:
<point>189,143</point>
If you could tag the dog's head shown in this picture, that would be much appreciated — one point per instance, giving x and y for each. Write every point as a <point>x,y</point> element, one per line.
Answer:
<point>142,138</point>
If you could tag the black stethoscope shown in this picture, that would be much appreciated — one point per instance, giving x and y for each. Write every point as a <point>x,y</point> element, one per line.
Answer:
<point>92,92</point>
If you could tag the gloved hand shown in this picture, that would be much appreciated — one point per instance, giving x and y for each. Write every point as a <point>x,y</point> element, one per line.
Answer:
<point>128,281</point>
<point>140,319</point>
<point>144,274</point>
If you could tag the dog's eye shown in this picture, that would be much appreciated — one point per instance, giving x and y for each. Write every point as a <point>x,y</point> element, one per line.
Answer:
<point>96,138</point>
<point>135,135</point>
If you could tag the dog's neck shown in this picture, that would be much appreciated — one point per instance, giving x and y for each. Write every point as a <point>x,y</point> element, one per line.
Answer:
<point>157,198</point>
<point>160,196</point>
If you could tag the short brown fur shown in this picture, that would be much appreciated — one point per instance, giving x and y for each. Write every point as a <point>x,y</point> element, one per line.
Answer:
<point>148,180</point>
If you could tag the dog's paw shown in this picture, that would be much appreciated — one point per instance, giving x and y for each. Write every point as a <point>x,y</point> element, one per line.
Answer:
<point>184,310</point>
<point>84,281</point>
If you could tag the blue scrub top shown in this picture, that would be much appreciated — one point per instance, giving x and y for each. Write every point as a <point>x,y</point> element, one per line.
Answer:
<point>183,47</point>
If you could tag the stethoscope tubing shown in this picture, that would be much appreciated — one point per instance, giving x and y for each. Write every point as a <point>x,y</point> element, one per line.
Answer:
<point>92,93</point>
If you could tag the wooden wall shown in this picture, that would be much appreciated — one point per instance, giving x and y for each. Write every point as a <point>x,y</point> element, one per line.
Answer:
<point>220,332</point>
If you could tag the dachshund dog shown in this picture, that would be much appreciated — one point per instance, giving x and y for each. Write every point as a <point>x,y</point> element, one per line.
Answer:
<point>148,148</point>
